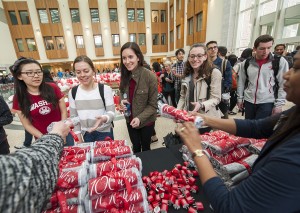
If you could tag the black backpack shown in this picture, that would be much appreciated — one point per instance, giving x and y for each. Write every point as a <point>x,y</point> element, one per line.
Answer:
<point>275,67</point>
<point>101,91</point>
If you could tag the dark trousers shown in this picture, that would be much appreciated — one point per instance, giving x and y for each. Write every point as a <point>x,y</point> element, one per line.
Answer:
<point>172,95</point>
<point>4,147</point>
<point>233,100</point>
<point>98,136</point>
<point>177,95</point>
<point>140,138</point>
<point>224,109</point>
<point>257,111</point>
<point>28,139</point>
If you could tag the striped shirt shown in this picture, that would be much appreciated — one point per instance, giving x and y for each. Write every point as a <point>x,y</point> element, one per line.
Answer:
<point>179,70</point>
<point>28,177</point>
<point>88,105</point>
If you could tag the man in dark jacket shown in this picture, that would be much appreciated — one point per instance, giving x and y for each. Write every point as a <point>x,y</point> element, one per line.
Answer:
<point>5,118</point>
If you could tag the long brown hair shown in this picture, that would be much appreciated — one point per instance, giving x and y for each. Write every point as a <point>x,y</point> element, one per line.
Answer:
<point>46,91</point>
<point>125,74</point>
<point>205,68</point>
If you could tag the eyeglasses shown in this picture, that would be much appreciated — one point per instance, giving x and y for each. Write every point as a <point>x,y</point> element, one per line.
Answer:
<point>32,74</point>
<point>212,48</point>
<point>199,56</point>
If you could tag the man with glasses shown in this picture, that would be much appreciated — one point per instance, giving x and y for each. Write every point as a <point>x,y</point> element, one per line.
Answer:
<point>177,70</point>
<point>260,88</point>
<point>225,67</point>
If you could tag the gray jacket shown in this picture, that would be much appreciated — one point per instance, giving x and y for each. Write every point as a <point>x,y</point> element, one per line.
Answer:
<point>260,88</point>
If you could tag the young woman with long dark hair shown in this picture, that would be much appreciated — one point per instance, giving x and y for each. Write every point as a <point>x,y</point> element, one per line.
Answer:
<point>138,88</point>
<point>36,102</point>
<point>201,85</point>
<point>273,185</point>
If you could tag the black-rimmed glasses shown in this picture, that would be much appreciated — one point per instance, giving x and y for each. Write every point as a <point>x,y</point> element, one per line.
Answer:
<point>32,74</point>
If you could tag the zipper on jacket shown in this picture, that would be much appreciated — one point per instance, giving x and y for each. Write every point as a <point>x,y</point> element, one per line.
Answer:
<point>257,84</point>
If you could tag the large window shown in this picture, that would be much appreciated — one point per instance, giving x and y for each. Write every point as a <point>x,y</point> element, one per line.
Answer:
<point>75,15</point>
<point>154,15</point>
<point>24,16</point>
<point>178,4</point>
<point>155,39</point>
<point>54,16</point>
<point>290,30</point>
<point>172,11</point>
<point>49,43</point>
<point>95,15</point>
<point>98,41</point>
<point>20,44</point>
<point>269,7</point>
<point>163,16</point>
<point>178,32</point>
<point>130,15</point>
<point>132,37</point>
<point>199,22</point>
<point>163,39</point>
<point>266,29</point>
<point>13,17</point>
<point>172,36</point>
<point>140,15</point>
<point>31,44</point>
<point>113,15</point>
<point>79,41</point>
<point>60,42</point>
<point>115,40</point>
<point>43,16</point>
<point>142,39</point>
<point>190,26</point>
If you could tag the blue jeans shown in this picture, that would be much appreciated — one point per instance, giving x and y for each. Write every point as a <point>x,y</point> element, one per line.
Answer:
<point>98,136</point>
<point>257,111</point>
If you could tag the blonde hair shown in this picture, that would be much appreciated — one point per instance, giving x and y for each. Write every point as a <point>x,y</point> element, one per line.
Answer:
<point>167,63</point>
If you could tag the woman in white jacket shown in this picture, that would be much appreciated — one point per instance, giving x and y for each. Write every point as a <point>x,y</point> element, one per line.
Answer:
<point>201,86</point>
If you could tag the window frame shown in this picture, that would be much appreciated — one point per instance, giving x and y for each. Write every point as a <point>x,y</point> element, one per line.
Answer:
<point>58,44</point>
<point>101,43</point>
<point>73,20</point>
<point>112,38</point>
<point>144,38</point>
<point>130,9</point>
<point>137,14</point>
<point>155,36</point>
<point>22,11</point>
<point>165,39</point>
<point>199,28</point>
<point>15,18</point>
<point>131,34</point>
<point>110,17</point>
<point>40,18</point>
<point>51,10</point>
<point>97,18</point>
<point>46,40</point>
<point>153,18</point>
<point>29,49</point>
<point>76,41</point>
<point>191,25</point>
<point>20,39</point>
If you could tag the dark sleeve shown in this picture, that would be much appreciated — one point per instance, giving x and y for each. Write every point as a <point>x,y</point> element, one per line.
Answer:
<point>228,76</point>
<point>262,128</point>
<point>274,187</point>
<point>5,114</point>
<point>28,177</point>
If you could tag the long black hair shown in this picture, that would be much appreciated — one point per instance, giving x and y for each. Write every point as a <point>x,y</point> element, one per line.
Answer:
<point>125,74</point>
<point>205,68</point>
<point>46,91</point>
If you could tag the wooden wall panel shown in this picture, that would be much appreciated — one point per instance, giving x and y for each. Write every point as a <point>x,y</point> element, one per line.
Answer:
<point>99,51</point>
<point>77,28</point>
<point>191,8</point>
<point>73,3</point>
<point>93,3</point>
<point>135,4</point>
<point>40,4</point>
<point>114,27</point>
<point>52,4</point>
<point>56,54</point>
<point>111,3</point>
<point>171,46</point>
<point>116,50</point>
<point>96,28</point>
<point>20,31</point>
<point>80,51</point>
<point>143,49</point>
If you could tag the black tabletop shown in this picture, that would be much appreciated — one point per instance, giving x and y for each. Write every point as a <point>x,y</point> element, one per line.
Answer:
<point>166,158</point>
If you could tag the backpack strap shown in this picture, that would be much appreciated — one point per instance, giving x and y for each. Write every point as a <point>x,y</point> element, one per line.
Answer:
<point>275,67</point>
<point>74,91</point>
<point>223,67</point>
<point>246,65</point>
<point>101,91</point>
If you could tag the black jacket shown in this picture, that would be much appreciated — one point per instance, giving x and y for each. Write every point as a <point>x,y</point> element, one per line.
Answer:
<point>5,118</point>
